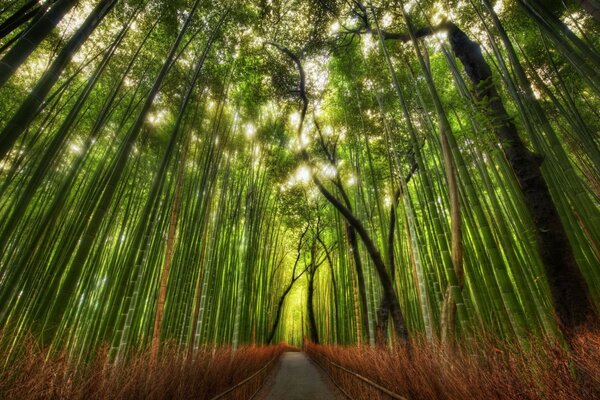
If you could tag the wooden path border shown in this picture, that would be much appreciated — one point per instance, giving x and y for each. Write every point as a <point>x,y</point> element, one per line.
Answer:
<point>356,375</point>
<point>242,383</point>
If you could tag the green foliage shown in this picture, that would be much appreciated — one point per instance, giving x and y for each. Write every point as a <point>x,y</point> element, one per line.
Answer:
<point>92,220</point>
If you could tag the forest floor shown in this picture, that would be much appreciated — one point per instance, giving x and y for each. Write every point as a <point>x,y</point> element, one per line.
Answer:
<point>298,378</point>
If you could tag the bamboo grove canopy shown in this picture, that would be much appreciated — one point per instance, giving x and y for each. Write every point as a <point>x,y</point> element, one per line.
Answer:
<point>243,171</point>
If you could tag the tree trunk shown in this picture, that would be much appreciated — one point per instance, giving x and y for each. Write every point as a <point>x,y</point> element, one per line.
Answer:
<point>58,202</point>
<point>360,277</point>
<point>383,317</point>
<point>375,255</point>
<point>71,277</point>
<point>198,291</point>
<point>314,333</point>
<point>567,285</point>
<point>30,40</point>
<point>334,285</point>
<point>454,297</point>
<point>278,313</point>
<point>28,110</point>
<point>456,285</point>
<point>590,7</point>
<point>289,287</point>
<point>164,279</point>
<point>386,282</point>
<point>56,143</point>
<point>20,17</point>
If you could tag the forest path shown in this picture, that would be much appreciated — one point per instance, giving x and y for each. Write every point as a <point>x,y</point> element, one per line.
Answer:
<point>299,379</point>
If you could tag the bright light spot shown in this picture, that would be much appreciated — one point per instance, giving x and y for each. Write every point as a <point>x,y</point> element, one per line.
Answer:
<point>258,42</point>
<point>250,130</point>
<point>409,5</point>
<point>440,14</point>
<point>368,44</point>
<point>334,28</point>
<point>75,19</point>
<point>387,201</point>
<point>342,135</point>
<point>304,140</point>
<point>157,118</point>
<point>572,19</point>
<point>387,20</point>
<point>351,180</point>
<point>292,143</point>
<point>318,108</point>
<point>75,148</point>
<point>295,118</point>
<point>329,171</point>
<point>499,7</point>
<point>317,72</point>
<point>303,174</point>
<point>78,58</point>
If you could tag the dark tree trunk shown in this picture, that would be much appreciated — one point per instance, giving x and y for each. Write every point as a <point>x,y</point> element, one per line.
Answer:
<point>589,7</point>
<point>55,145</point>
<point>335,290</point>
<point>21,16</point>
<point>567,285</point>
<point>383,317</point>
<point>360,276</point>
<point>375,255</point>
<point>571,300</point>
<point>278,313</point>
<point>28,110</point>
<point>354,247</point>
<point>355,223</point>
<point>29,41</point>
<point>101,205</point>
<point>288,287</point>
<point>314,333</point>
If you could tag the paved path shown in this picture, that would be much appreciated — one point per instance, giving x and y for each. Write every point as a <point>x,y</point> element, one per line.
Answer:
<point>299,379</point>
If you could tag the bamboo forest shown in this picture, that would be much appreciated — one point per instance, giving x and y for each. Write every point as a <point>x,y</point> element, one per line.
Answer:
<point>300,199</point>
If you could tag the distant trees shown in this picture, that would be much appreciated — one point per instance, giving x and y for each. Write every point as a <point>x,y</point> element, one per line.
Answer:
<point>448,157</point>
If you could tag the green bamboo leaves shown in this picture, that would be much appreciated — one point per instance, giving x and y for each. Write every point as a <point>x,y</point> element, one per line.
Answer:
<point>158,181</point>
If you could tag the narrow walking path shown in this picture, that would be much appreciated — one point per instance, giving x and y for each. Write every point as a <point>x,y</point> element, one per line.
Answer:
<point>299,379</point>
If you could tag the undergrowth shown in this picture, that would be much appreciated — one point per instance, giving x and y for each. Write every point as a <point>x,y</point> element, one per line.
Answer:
<point>484,370</point>
<point>34,374</point>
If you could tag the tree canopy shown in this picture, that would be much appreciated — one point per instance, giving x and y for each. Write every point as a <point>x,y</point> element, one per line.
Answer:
<point>251,171</point>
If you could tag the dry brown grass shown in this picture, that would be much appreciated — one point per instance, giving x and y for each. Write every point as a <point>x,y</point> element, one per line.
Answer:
<point>34,375</point>
<point>490,371</point>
